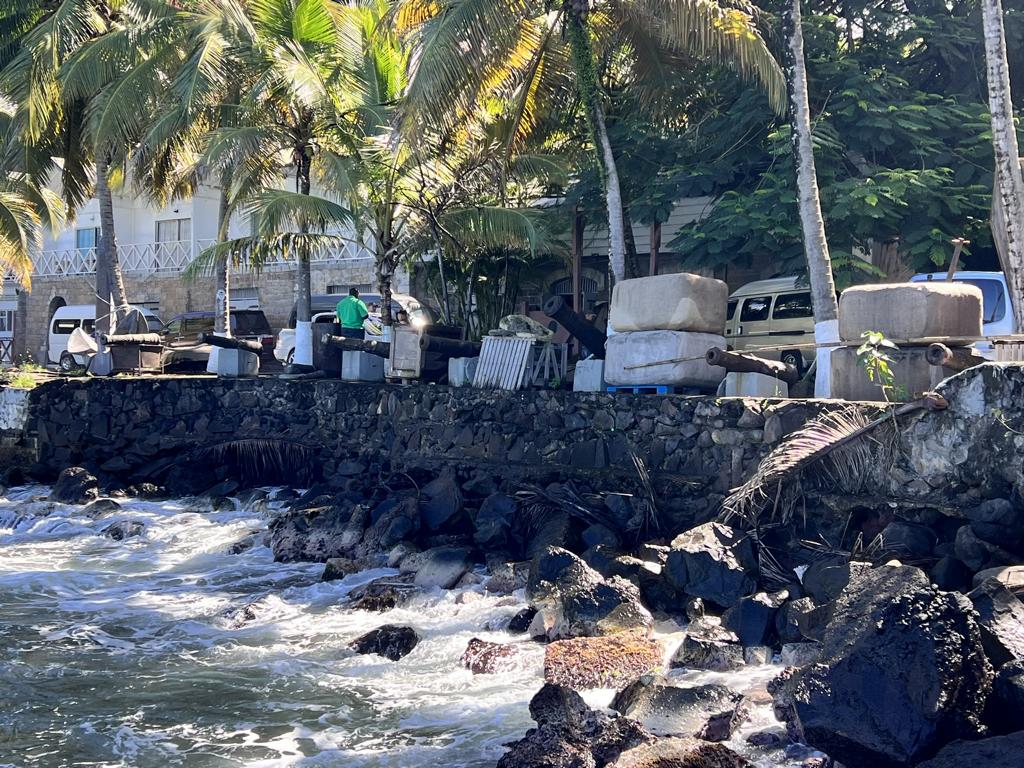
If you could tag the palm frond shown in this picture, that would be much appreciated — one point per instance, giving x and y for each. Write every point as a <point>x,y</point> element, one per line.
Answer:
<point>495,226</point>
<point>255,252</point>
<point>263,461</point>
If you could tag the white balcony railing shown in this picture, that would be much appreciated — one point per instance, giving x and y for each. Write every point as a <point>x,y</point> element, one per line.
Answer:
<point>166,258</point>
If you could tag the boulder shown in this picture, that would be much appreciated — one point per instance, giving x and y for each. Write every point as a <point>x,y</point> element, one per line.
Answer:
<point>391,523</point>
<point>665,709</point>
<point>577,602</point>
<point>675,302</point>
<point>124,529</point>
<point>912,311</point>
<point>710,647</point>
<point>1011,577</point>
<point>382,594</point>
<point>599,535</point>
<point>484,658</point>
<point>752,618</point>
<point>602,662</point>
<point>522,620</point>
<point>390,641</point>
<point>999,522</point>
<point>1005,713</point>
<point>1001,617</point>
<point>493,523</point>
<point>314,534</point>
<point>443,502</point>
<point>950,575</point>
<point>338,568</point>
<point>801,619</point>
<point>679,753</point>
<point>800,654</point>
<point>826,578</point>
<point>626,350</point>
<point>75,485</point>
<point>978,554</point>
<point>100,507</point>
<point>902,672</point>
<point>996,752</point>
<point>442,567</point>
<point>713,562</point>
<point>907,540</point>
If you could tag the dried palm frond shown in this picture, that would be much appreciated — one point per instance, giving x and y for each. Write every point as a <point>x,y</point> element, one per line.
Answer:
<point>831,443</point>
<point>264,461</point>
<point>651,523</point>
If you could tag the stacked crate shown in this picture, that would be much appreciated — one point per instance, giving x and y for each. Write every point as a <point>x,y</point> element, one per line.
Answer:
<point>912,315</point>
<point>663,327</point>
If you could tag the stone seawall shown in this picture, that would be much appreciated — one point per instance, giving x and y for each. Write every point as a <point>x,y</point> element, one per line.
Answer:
<point>695,447</point>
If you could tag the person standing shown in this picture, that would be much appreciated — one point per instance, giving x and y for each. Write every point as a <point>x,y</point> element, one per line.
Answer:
<point>351,314</point>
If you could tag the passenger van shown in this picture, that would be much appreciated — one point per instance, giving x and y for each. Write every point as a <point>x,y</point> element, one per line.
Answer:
<point>772,313</point>
<point>996,313</point>
<point>83,316</point>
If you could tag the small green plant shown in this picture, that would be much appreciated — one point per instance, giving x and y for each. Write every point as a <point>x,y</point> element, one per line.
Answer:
<point>873,356</point>
<point>22,380</point>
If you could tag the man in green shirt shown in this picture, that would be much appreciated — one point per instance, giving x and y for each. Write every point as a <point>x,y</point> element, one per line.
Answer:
<point>351,314</point>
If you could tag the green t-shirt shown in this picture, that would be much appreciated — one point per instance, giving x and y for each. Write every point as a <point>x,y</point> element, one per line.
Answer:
<point>351,312</point>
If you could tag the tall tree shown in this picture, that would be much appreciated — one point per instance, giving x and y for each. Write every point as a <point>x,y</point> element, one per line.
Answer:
<point>1009,181</point>
<point>819,265</point>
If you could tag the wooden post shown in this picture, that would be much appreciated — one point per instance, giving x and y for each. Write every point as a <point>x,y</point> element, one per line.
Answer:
<point>655,247</point>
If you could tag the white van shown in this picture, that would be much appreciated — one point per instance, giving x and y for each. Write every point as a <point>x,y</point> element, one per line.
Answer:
<point>996,313</point>
<point>83,316</point>
<point>772,313</point>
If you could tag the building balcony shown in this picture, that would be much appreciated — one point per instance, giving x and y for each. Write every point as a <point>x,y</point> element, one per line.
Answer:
<point>169,259</point>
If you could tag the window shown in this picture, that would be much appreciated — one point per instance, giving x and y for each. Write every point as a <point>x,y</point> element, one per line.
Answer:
<point>250,324</point>
<point>993,299</point>
<point>64,327</point>
<point>791,306</point>
<point>88,325</point>
<point>87,238</point>
<point>343,289</point>
<point>174,231</point>
<point>173,328</point>
<point>755,309</point>
<point>731,309</point>
<point>192,326</point>
<point>6,321</point>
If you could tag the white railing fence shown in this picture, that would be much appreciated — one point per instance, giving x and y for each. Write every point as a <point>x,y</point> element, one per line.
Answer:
<point>168,258</point>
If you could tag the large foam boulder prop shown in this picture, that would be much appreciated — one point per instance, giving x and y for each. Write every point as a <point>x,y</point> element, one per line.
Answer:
<point>713,562</point>
<point>902,673</point>
<point>573,599</point>
<point>909,312</point>
<point>676,302</point>
<point>679,358</point>
<point>911,371</point>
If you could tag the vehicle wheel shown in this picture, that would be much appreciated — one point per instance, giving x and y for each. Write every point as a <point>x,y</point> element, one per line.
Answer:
<point>794,358</point>
<point>291,357</point>
<point>67,363</point>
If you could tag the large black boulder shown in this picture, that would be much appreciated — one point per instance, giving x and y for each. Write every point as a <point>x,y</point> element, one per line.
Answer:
<point>1005,712</point>
<point>753,618</point>
<point>577,602</point>
<point>493,523</point>
<point>902,673</point>
<point>314,534</point>
<point>443,502</point>
<point>676,710</point>
<point>75,485</point>
<point>713,562</point>
<point>391,522</point>
<point>390,641</point>
<point>1001,616</point>
<point>996,752</point>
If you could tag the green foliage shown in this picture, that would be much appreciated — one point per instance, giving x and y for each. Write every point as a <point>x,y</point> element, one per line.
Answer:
<point>873,357</point>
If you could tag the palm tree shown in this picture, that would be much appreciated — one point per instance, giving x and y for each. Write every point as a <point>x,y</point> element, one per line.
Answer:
<point>469,50</point>
<point>819,266</point>
<point>25,210</point>
<point>1009,178</point>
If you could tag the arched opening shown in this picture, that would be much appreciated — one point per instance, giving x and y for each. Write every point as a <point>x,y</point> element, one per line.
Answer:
<point>55,303</point>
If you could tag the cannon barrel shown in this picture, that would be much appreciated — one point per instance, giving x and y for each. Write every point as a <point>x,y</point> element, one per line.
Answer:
<point>114,339</point>
<point>955,358</point>
<point>449,347</point>
<point>589,336</point>
<point>378,348</point>
<point>737,362</point>
<point>226,342</point>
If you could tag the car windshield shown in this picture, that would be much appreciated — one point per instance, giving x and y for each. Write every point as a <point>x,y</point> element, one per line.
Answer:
<point>993,299</point>
<point>250,324</point>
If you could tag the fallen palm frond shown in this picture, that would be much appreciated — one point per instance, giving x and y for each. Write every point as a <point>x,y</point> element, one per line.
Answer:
<point>264,461</point>
<point>831,444</point>
<point>651,524</point>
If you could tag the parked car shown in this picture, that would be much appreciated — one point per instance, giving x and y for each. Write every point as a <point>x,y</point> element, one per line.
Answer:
<point>180,335</point>
<point>324,307</point>
<point>772,313</point>
<point>68,318</point>
<point>996,313</point>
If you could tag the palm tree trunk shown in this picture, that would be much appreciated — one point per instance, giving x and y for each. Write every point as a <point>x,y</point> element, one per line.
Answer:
<point>303,298</point>
<point>106,314</point>
<point>586,81</point>
<point>222,273</point>
<point>819,265</point>
<point>1009,179</point>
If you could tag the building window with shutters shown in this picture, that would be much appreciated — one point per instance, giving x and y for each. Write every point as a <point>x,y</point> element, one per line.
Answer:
<point>173,243</point>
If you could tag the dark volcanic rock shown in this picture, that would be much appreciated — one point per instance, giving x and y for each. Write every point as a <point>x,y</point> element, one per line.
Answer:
<point>124,529</point>
<point>977,553</point>
<point>493,524</point>
<point>443,502</point>
<point>710,647</point>
<point>753,618</point>
<point>1005,713</point>
<point>442,567</point>
<point>577,602</point>
<point>679,753</point>
<point>390,641</point>
<point>713,562</point>
<point>75,486</point>
<point>801,619</point>
<point>397,521</point>
<point>907,540</point>
<point>522,620</point>
<point>101,507</point>
<point>601,662</point>
<point>338,568</point>
<point>484,658</point>
<point>996,752</point>
<point>382,594</point>
<point>669,710</point>
<point>315,534</point>
<point>951,575</point>
<point>902,673</point>
<point>571,735</point>
<point>826,578</point>
<point>1001,616</point>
